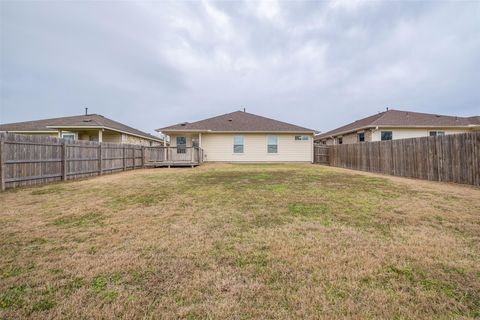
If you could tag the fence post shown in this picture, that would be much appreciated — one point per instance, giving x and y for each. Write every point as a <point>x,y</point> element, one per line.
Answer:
<point>124,159</point>
<point>2,163</point>
<point>133,158</point>
<point>64,160</point>
<point>100,168</point>
<point>143,156</point>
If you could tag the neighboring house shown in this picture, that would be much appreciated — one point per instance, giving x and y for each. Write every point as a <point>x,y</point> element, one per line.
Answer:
<point>396,124</point>
<point>91,127</point>
<point>244,137</point>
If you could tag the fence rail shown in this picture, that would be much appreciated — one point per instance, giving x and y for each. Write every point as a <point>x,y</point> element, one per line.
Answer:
<point>28,160</point>
<point>449,158</point>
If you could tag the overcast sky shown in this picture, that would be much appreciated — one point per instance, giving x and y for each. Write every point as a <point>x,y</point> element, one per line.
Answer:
<point>315,64</point>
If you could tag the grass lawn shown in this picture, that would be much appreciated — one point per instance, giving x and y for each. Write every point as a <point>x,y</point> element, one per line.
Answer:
<point>241,241</point>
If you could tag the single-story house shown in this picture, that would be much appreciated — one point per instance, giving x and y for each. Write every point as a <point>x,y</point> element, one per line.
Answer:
<point>243,137</point>
<point>396,124</point>
<point>90,127</point>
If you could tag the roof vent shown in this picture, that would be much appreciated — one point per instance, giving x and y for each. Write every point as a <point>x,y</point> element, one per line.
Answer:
<point>87,120</point>
<point>230,120</point>
<point>184,124</point>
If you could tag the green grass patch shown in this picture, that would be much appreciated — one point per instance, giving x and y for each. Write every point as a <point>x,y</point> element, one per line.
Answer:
<point>85,220</point>
<point>13,270</point>
<point>49,190</point>
<point>13,297</point>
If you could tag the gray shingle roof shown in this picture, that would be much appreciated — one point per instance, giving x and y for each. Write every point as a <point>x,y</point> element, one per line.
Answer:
<point>83,121</point>
<point>397,118</point>
<point>238,121</point>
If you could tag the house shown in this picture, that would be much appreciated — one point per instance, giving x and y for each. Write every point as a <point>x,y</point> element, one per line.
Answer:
<point>243,137</point>
<point>396,124</point>
<point>90,127</point>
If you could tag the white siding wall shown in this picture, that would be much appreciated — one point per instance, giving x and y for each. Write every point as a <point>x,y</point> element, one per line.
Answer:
<point>411,133</point>
<point>219,147</point>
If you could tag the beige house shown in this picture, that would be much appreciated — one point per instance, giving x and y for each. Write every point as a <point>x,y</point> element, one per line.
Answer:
<point>243,137</point>
<point>396,124</point>
<point>90,127</point>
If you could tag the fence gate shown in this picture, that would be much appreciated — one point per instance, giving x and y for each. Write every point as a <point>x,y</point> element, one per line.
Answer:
<point>320,154</point>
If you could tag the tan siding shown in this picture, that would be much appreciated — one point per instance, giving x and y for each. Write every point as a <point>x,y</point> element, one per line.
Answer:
<point>112,137</point>
<point>219,147</point>
<point>138,141</point>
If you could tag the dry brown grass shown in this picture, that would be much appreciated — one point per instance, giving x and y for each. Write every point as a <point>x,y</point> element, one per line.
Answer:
<point>241,241</point>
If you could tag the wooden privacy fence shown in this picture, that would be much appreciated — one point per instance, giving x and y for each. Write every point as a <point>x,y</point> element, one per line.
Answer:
<point>28,160</point>
<point>449,158</point>
<point>320,154</point>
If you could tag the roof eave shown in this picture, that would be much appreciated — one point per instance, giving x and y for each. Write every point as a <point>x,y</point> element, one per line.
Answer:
<point>233,131</point>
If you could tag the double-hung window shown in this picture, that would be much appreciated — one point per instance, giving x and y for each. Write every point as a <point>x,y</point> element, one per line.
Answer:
<point>181,145</point>
<point>272,144</point>
<point>238,144</point>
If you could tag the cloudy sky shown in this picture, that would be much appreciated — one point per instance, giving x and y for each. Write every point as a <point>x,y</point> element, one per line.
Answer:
<point>316,64</point>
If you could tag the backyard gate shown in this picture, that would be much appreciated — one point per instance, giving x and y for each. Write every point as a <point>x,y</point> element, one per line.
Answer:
<point>320,153</point>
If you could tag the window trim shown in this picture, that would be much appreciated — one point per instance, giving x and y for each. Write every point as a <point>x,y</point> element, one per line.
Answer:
<point>268,144</point>
<point>238,145</point>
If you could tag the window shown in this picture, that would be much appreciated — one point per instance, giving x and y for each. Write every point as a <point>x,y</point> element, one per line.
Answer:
<point>238,144</point>
<point>340,140</point>
<point>181,145</point>
<point>386,135</point>
<point>437,133</point>
<point>301,138</point>
<point>272,144</point>
<point>70,136</point>
<point>361,137</point>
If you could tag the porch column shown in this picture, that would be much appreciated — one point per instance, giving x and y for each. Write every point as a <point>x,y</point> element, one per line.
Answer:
<point>59,133</point>
<point>165,150</point>
<point>199,139</point>
<point>100,135</point>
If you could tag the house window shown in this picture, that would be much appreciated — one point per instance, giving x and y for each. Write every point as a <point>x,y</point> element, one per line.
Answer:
<point>301,138</point>
<point>361,137</point>
<point>339,140</point>
<point>181,145</point>
<point>437,133</point>
<point>238,144</point>
<point>272,144</point>
<point>70,136</point>
<point>386,135</point>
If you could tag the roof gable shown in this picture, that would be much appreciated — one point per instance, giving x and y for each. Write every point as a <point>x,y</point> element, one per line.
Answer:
<point>238,121</point>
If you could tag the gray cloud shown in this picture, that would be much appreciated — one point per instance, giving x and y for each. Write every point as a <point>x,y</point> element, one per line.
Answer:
<point>317,64</point>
